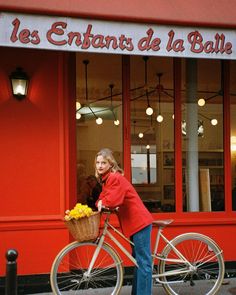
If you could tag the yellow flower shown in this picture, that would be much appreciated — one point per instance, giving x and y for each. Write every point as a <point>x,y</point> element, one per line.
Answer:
<point>78,211</point>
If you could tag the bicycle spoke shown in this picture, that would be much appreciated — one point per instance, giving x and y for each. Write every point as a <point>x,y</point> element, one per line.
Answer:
<point>205,264</point>
<point>70,269</point>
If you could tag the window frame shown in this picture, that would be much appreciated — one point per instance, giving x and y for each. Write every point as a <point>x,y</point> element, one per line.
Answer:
<point>225,71</point>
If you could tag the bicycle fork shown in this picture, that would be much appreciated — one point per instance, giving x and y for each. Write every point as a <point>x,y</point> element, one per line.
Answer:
<point>95,254</point>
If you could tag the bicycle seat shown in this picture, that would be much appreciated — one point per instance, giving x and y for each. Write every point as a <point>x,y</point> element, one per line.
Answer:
<point>162,223</point>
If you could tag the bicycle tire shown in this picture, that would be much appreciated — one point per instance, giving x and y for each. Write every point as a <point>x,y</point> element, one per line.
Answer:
<point>68,272</point>
<point>207,273</point>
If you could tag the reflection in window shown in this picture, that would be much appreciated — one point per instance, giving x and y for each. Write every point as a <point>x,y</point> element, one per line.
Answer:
<point>143,162</point>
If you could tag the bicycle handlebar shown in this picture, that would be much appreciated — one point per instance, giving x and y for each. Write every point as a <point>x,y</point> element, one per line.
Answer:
<point>109,210</point>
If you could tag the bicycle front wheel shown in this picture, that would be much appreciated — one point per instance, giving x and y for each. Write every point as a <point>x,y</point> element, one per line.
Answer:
<point>70,274</point>
<point>198,263</point>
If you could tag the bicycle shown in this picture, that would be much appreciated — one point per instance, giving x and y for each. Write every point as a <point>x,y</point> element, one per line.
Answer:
<point>189,259</point>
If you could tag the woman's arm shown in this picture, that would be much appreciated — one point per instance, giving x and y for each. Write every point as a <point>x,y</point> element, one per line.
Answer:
<point>113,192</point>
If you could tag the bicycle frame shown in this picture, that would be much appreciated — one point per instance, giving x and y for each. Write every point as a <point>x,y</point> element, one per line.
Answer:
<point>160,234</point>
<point>155,255</point>
<point>188,258</point>
<point>106,232</point>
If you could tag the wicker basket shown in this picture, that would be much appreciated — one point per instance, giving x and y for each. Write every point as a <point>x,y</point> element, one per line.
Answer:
<point>86,228</point>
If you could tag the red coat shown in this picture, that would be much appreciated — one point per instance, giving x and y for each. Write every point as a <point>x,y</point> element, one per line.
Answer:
<point>117,191</point>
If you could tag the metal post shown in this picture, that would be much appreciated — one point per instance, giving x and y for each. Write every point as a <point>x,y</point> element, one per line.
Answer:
<point>11,272</point>
<point>192,182</point>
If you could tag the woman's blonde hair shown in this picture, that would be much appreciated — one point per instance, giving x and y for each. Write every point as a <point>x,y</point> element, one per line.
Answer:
<point>108,155</point>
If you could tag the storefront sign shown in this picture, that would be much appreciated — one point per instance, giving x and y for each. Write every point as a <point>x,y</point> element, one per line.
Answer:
<point>72,34</point>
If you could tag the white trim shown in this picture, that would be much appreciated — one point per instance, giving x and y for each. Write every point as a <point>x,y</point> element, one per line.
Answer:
<point>34,31</point>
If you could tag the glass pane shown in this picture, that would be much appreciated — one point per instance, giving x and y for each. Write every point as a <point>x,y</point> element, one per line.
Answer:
<point>143,164</point>
<point>233,129</point>
<point>202,136</point>
<point>98,95</point>
<point>152,131</point>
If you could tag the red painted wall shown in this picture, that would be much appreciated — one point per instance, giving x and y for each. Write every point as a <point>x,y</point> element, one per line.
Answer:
<point>37,162</point>
<point>36,157</point>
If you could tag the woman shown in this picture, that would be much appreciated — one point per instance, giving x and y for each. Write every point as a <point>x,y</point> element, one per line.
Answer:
<point>135,219</point>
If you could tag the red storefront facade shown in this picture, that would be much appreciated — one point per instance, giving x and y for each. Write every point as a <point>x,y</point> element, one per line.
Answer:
<point>38,149</point>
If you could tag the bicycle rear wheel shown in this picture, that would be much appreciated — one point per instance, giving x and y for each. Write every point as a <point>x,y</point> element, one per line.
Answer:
<point>205,272</point>
<point>69,270</point>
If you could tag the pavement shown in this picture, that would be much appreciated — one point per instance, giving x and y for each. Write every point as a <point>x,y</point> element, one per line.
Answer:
<point>228,288</point>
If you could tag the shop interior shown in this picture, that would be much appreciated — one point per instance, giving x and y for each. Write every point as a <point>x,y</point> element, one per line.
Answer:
<point>99,124</point>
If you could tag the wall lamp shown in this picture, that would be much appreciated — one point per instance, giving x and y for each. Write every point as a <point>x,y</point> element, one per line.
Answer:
<point>19,83</point>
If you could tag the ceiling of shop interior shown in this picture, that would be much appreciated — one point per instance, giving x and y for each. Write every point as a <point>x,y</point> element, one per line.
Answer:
<point>105,69</point>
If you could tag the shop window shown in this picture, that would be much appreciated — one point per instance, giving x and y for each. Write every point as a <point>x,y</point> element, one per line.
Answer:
<point>99,115</point>
<point>152,131</point>
<point>202,136</point>
<point>152,121</point>
<point>233,130</point>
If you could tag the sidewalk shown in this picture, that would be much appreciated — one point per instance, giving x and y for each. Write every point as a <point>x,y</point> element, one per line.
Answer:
<point>228,288</point>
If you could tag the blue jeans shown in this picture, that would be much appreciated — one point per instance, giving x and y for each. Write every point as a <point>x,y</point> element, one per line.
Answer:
<point>142,280</point>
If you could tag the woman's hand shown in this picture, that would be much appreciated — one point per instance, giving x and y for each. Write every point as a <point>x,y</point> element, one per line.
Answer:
<point>99,205</point>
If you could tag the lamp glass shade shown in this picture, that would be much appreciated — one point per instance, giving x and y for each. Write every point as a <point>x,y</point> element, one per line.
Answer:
<point>116,122</point>
<point>99,121</point>
<point>78,115</point>
<point>19,83</point>
<point>149,111</point>
<point>160,118</point>
<point>214,122</point>
<point>78,105</point>
<point>201,102</point>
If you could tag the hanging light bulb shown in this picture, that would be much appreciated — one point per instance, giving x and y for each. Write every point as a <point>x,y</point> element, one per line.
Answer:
<point>149,111</point>
<point>159,118</point>
<point>147,146</point>
<point>78,115</point>
<point>78,105</point>
<point>201,102</point>
<point>173,116</point>
<point>140,135</point>
<point>117,122</point>
<point>214,122</point>
<point>99,121</point>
